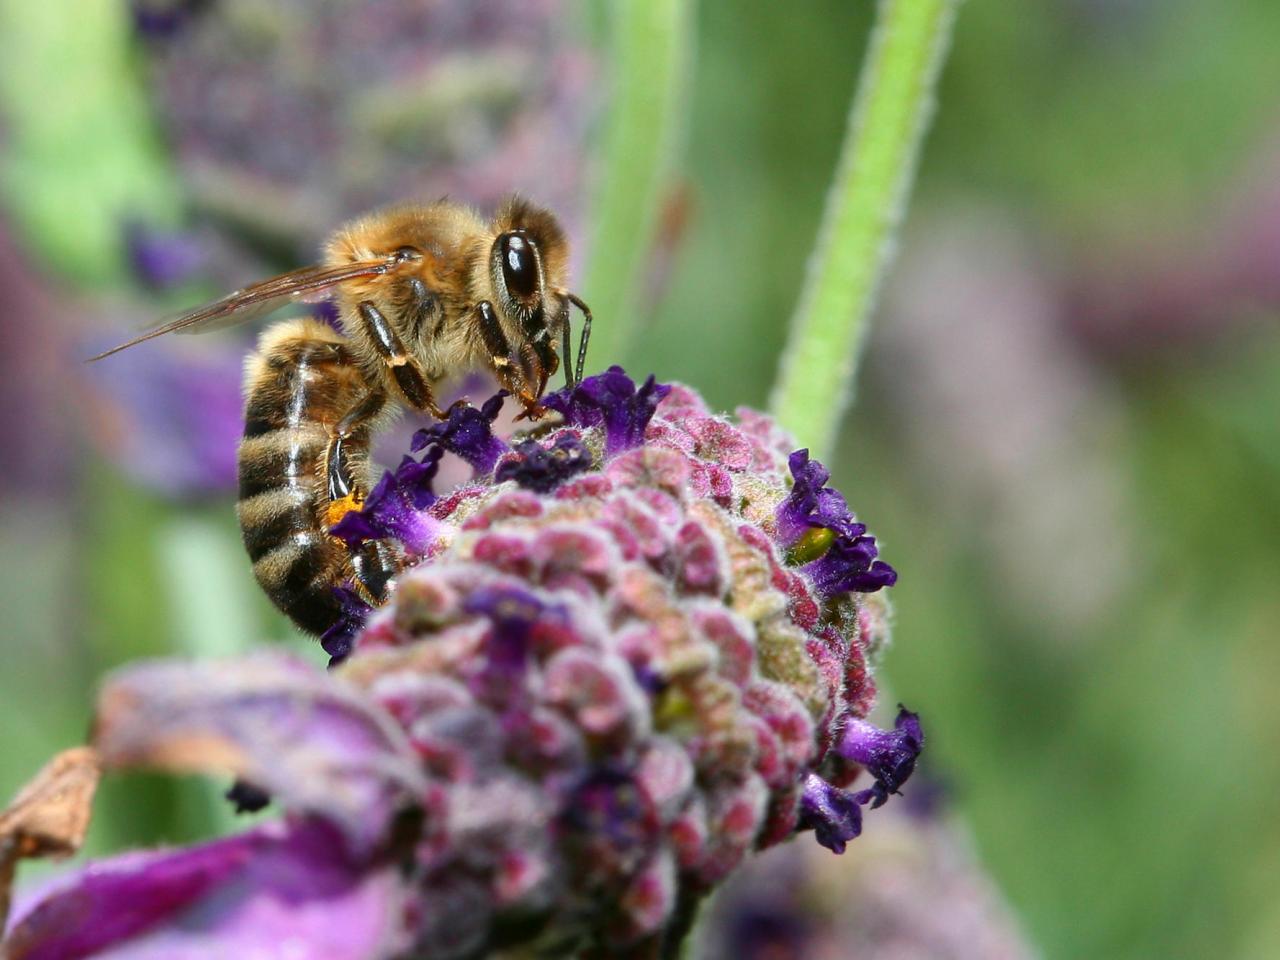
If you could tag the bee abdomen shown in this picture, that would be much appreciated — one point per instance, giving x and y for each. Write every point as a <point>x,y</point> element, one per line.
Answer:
<point>298,386</point>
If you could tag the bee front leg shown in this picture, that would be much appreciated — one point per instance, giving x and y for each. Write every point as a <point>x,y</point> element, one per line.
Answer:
<point>403,366</point>
<point>506,365</point>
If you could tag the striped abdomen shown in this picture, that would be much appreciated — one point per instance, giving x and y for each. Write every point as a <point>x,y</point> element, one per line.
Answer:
<point>299,385</point>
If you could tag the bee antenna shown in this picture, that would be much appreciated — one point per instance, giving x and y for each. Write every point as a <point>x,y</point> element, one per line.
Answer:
<point>584,338</point>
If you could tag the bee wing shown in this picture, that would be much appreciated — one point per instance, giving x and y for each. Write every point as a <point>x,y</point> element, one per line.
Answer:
<point>259,299</point>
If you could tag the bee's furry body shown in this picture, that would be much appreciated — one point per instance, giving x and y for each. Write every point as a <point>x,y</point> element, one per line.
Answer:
<point>299,384</point>
<point>422,291</point>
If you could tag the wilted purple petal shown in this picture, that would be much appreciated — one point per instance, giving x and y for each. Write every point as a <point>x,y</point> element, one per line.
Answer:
<point>467,432</point>
<point>610,400</point>
<point>305,737</point>
<point>542,469</point>
<point>289,886</point>
<point>889,755</point>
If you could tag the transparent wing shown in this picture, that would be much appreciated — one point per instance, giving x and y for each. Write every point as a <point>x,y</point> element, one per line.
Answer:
<point>259,299</point>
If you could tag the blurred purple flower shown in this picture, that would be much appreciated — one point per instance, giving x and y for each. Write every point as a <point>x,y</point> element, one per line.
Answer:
<point>915,890</point>
<point>162,259</point>
<point>289,883</point>
<point>171,418</point>
<point>593,693</point>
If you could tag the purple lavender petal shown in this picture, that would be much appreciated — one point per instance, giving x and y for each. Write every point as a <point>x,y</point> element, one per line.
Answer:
<point>889,755</point>
<point>247,895</point>
<point>467,432</point>
<point>514,613</point>
<point>395,508</point>
<point>850,564</point>
<point>542,469</point>
<point>305,737</point>
<point>812,504</point>
<point>612,401</point>
<point>834,814</point>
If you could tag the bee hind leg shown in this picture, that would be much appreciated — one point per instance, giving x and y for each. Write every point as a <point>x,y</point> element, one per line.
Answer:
<point>374,563</point>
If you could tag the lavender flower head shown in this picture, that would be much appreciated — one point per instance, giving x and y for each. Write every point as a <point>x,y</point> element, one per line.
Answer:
<point>632,649</point>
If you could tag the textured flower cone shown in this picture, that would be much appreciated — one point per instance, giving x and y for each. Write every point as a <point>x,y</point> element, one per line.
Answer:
<point>633,649</point>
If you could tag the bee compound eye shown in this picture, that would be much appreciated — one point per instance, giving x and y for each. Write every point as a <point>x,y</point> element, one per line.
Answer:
<point>519,264</point>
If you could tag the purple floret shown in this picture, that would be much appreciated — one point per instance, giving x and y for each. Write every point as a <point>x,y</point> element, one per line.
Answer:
<point>889,755</point>
<point>612,401</point>
<point>542,469</point>
<point>846,556</point>
<point>835,815</point>
<point>394,508</point>
<point>467,432</point>
<point>811,503</point>
<point>850,564</point>
<point>514,612</point>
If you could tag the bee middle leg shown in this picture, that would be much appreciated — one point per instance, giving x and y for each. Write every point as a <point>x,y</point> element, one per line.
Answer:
<point>405,369</point>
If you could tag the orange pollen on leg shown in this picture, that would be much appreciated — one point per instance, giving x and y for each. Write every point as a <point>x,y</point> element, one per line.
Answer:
<point>337,509</point>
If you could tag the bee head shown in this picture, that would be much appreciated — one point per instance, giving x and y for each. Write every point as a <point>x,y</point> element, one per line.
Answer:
<point>528,259</point>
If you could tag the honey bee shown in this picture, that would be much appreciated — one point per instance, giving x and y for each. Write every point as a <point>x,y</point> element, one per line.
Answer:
<point>422,291</point>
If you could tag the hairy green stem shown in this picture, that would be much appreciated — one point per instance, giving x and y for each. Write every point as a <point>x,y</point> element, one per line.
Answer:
<point>650,61</point>
<point>886,125</point>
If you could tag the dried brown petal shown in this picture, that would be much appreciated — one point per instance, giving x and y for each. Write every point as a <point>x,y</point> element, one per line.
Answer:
<point>49,816</point>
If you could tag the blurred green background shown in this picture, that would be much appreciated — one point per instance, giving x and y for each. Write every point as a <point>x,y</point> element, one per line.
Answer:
<point>1066,435</point>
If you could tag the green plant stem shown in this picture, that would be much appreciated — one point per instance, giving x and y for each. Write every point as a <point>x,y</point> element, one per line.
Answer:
<point>886,125</point>
<point>651,54</point>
